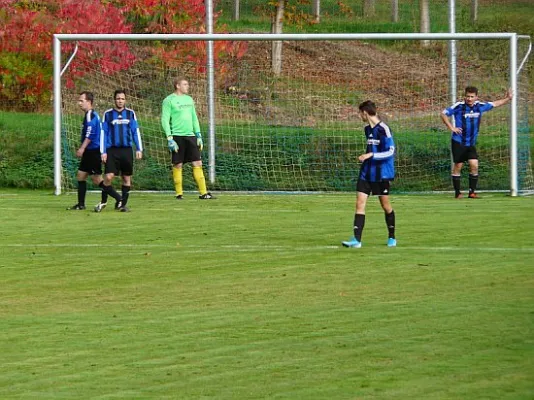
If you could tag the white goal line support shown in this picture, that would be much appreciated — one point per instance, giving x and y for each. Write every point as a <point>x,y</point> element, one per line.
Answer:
<point>58,38</point>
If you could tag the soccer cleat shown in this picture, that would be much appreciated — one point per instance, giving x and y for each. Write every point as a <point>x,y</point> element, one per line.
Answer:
<point>474,196</point>
<point>352,242</point>
<point>392,242</point>
<point>124,209</point>
<point>458,196</point>
<point>100,206</point>
<point>206,196</point>
<point>118,204</point>
<point>77,207</point>
<point>180,197</point>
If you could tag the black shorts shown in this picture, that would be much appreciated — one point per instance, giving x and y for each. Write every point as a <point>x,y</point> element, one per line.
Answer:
<point>376,188</point>
<point>461,153</point>
<point>91,162</point>
<point>187,150</point>
<point>120,160</point>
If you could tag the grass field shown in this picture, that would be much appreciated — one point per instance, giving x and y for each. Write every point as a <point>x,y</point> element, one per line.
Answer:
<point>252,297</point>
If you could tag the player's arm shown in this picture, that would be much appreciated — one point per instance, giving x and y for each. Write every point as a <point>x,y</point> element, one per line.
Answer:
<point>194,119</point>
<point>166,117</point>
<point>196,128</point>
<point>445,118</point>
<point>365,156</point>
<point>387,144</point>
<point>104,134</point>
<point>88,135</point>
<point>136,136</point>
<point>166,124</point>
<point>508,97</point>
<point>82,148</point>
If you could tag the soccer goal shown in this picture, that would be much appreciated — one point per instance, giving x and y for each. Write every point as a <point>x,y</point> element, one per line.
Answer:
<point>299,129</point>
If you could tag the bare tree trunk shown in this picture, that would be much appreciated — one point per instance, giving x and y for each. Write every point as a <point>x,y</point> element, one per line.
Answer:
<point>276,27</point>
<point>474,11</point>
<point>394,10</point>
<point>369,8</point>
<point>316,10</point>
<point>235,11</point>
<point>425,20</point>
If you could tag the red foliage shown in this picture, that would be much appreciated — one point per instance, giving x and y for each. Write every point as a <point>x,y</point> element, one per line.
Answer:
<point>181,16</point>
<point>27,27</point>
<point>28,31</point>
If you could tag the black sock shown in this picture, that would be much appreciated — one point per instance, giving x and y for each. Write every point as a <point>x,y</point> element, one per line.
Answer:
<point>456,184</point>
<point>473,180</point>
<point>112,192</point>
<point>359,223</point>
<point>82,190</point>
<point>390,222</point>
<point>104,193</point>
<point>125,194</point>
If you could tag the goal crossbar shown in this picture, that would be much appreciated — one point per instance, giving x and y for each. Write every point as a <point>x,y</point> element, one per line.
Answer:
<point>58,38</point>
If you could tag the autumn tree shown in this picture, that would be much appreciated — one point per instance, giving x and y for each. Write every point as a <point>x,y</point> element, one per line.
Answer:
<point>26,51</point>
<point>179,16</point>
<point>276,27</point>
<point>369,8</point>
<point>316,10</point>
<point>394,10</point>
<point>236,7</point>
<point>474,11</point>
<point>27,27</point>
<point>425,20</point>
<point>286,11</point>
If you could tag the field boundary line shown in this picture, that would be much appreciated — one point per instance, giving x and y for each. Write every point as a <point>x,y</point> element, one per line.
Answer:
<point>260,247</point>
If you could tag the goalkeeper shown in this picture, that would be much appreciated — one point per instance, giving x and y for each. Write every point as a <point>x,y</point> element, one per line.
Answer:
<point>180,124</point>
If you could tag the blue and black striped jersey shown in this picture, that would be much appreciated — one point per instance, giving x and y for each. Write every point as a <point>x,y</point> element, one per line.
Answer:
<point>91,129</point>
<point>120,129</point>
<point>467,118</point>
<point>381,166</point>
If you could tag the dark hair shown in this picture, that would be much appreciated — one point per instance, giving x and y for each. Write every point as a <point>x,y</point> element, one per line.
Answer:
<point>471,89</point>
<point>369,107</point>
<point>88,96</point>
<point>119,91</point>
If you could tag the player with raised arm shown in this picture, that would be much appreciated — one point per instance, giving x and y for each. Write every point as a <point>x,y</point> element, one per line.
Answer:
<point>89,150</point>
<point>467,115</point>
<point>376,172</point>
<point>182,129</point>
<point>120,132</point>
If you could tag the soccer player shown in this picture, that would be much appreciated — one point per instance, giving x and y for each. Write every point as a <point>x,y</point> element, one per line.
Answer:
<point>180,124</point>
<point>376,172</point>
<point>119,132</point>
<point>89,150</point>
<point>467,115</point>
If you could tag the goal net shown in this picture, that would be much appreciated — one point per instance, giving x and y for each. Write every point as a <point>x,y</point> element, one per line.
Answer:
<point>300,130</point>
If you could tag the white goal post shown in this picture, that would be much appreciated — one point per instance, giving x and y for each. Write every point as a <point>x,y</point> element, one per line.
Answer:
<point>514,68</point>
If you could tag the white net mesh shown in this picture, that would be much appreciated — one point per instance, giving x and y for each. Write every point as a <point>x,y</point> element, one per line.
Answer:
<point>300,131</point>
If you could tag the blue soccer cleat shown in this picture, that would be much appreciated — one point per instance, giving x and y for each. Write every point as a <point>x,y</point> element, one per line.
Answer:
<point>352,242</point>
<point>392,242</point>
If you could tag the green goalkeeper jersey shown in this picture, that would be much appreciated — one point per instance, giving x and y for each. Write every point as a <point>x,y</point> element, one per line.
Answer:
<point>178,116</point>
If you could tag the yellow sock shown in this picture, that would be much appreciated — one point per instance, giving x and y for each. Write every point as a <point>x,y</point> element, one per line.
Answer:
<point>198,174</point>
<point>178,182</point>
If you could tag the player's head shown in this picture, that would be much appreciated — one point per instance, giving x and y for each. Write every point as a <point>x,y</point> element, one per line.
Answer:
<point>120,98</point>
<point>471,95</point>
<point>367,109</point>
<point>181,85</point>
<point>85,101</point>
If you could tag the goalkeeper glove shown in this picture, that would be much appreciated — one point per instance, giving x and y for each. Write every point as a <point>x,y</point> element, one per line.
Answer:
<point>173,146</point>
<point>200,143</point>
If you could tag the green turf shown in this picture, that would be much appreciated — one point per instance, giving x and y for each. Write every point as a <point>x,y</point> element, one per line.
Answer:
<point>252,297</point>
